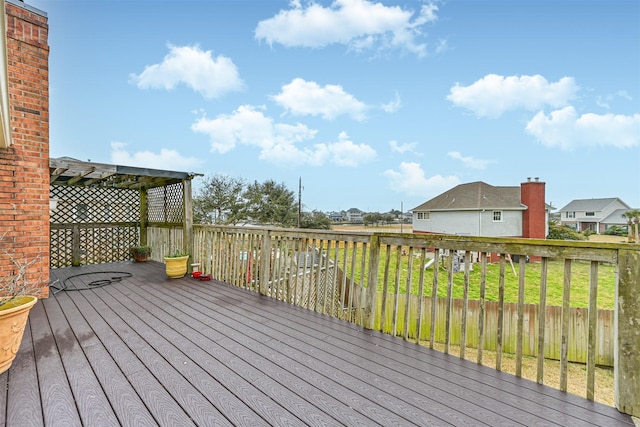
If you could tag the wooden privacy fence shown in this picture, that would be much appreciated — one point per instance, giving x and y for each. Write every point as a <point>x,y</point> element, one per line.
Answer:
<point>368,277</point>
<point>578,327</point>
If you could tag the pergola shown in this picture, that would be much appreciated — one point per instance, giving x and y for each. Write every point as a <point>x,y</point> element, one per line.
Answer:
<point>99,211</point>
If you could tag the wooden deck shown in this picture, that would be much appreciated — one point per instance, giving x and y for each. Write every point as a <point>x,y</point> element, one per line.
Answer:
<point>148,351</point>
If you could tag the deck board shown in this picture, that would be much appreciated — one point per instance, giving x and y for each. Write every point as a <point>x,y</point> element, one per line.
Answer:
<point>148,350</point>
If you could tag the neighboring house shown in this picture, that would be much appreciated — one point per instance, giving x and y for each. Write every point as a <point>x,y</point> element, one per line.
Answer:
<point>480,209</point>
<point>594,215</point>
<point>337,216</point>
<point>355,215</point>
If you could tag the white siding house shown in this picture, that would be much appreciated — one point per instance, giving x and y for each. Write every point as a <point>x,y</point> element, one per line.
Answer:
<point>480,209</point>
<point>592,214</point>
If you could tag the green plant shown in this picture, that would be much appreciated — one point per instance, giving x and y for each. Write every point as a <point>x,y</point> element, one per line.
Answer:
<point>563,232</point>
<point>142,250</point>
<point>616,230</point>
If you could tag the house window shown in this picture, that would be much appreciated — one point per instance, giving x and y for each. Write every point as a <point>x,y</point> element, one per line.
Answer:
<point>589,214</point>
<point>497,216</point>
<point>569,214</point>
<point>423,215</point>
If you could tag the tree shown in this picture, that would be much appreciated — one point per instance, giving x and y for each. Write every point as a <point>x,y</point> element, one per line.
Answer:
<point>219,201</point>
<point>271,203</point>
<point>316,220</point>
<point>633,220</point>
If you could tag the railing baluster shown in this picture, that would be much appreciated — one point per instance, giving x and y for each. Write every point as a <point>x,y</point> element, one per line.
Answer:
<point>434,297</point>
<point>500,311</point>
<point>423,262</point>
<point>350,307</point>
<point>318,276</point>
<point>592,338</point>
<point>447,338</point>
<point>542,314</point>
<point>343,285</point>
<point>328,279</point>
<point>465,305</point>
<point>482,313</point>
<point>385,288</point>
<point>309,274</point>
<point>407,303</point>
<point>396,292</point>
<point>333,280</point>
<point>234,259</point>
<point>564,349</point>
<point>520,321</point>
<point>362,302</point>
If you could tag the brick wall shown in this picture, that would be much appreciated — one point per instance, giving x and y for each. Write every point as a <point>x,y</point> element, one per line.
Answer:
<point>24,166</point>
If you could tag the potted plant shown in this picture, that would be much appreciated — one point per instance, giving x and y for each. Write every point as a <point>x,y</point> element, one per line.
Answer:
<point>14,310</point>
<point>140,253</point>
<point>176,264</point>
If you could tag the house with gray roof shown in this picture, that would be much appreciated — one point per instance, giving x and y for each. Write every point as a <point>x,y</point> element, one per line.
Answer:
<point>595,215</point>
<point>480,209</point>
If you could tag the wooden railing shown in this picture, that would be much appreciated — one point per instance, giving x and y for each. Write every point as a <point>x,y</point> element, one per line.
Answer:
<point>386,281</point>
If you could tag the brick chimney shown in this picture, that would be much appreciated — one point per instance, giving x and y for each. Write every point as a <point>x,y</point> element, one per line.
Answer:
<point>24,165</point>
<point>534,220</point>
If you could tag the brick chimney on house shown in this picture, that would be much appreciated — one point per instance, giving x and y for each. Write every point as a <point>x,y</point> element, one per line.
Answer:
<point>534,218</point>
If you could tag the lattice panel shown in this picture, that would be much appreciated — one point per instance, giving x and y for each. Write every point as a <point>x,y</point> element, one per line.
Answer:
<point>166,203</point>
<point>82,205</point>
<point>61,249</point>
<point>108,244</point>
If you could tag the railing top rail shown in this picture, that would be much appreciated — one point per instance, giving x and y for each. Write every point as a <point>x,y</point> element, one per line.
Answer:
<point>577,250</point>
<point>356,236</point>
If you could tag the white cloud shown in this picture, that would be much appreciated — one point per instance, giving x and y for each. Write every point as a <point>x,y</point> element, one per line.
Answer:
<point>603,101</point>
<point>358,24</point>
<point>303,98</point>
<point>468,161</point>
<point>410,179</point>
<point>402,148</point>
<point>345,152</point>
<point>166,159</point>
<point>492,95</point>
<point>393,105</point>
<point>208,76</point>
<point>279,142</point>
<point>566,130</point>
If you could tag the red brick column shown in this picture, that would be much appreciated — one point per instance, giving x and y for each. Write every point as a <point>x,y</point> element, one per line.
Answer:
<point>24,166</point>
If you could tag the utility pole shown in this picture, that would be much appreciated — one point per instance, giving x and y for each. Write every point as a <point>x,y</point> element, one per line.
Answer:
<point>401,218</point>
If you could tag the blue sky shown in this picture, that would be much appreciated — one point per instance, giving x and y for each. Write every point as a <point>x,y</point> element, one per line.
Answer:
<point>375,105</point>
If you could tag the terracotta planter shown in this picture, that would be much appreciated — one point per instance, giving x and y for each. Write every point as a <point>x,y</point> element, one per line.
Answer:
<point>13,319</point>
<point>176,267</point>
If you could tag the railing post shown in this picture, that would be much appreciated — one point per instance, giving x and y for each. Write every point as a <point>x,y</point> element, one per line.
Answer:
<point>627,333</point>
<point>372,284</point>
<point>265,263</point>
<point>144,216</point>
<point>187,218</point>
<point>75,251</point>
